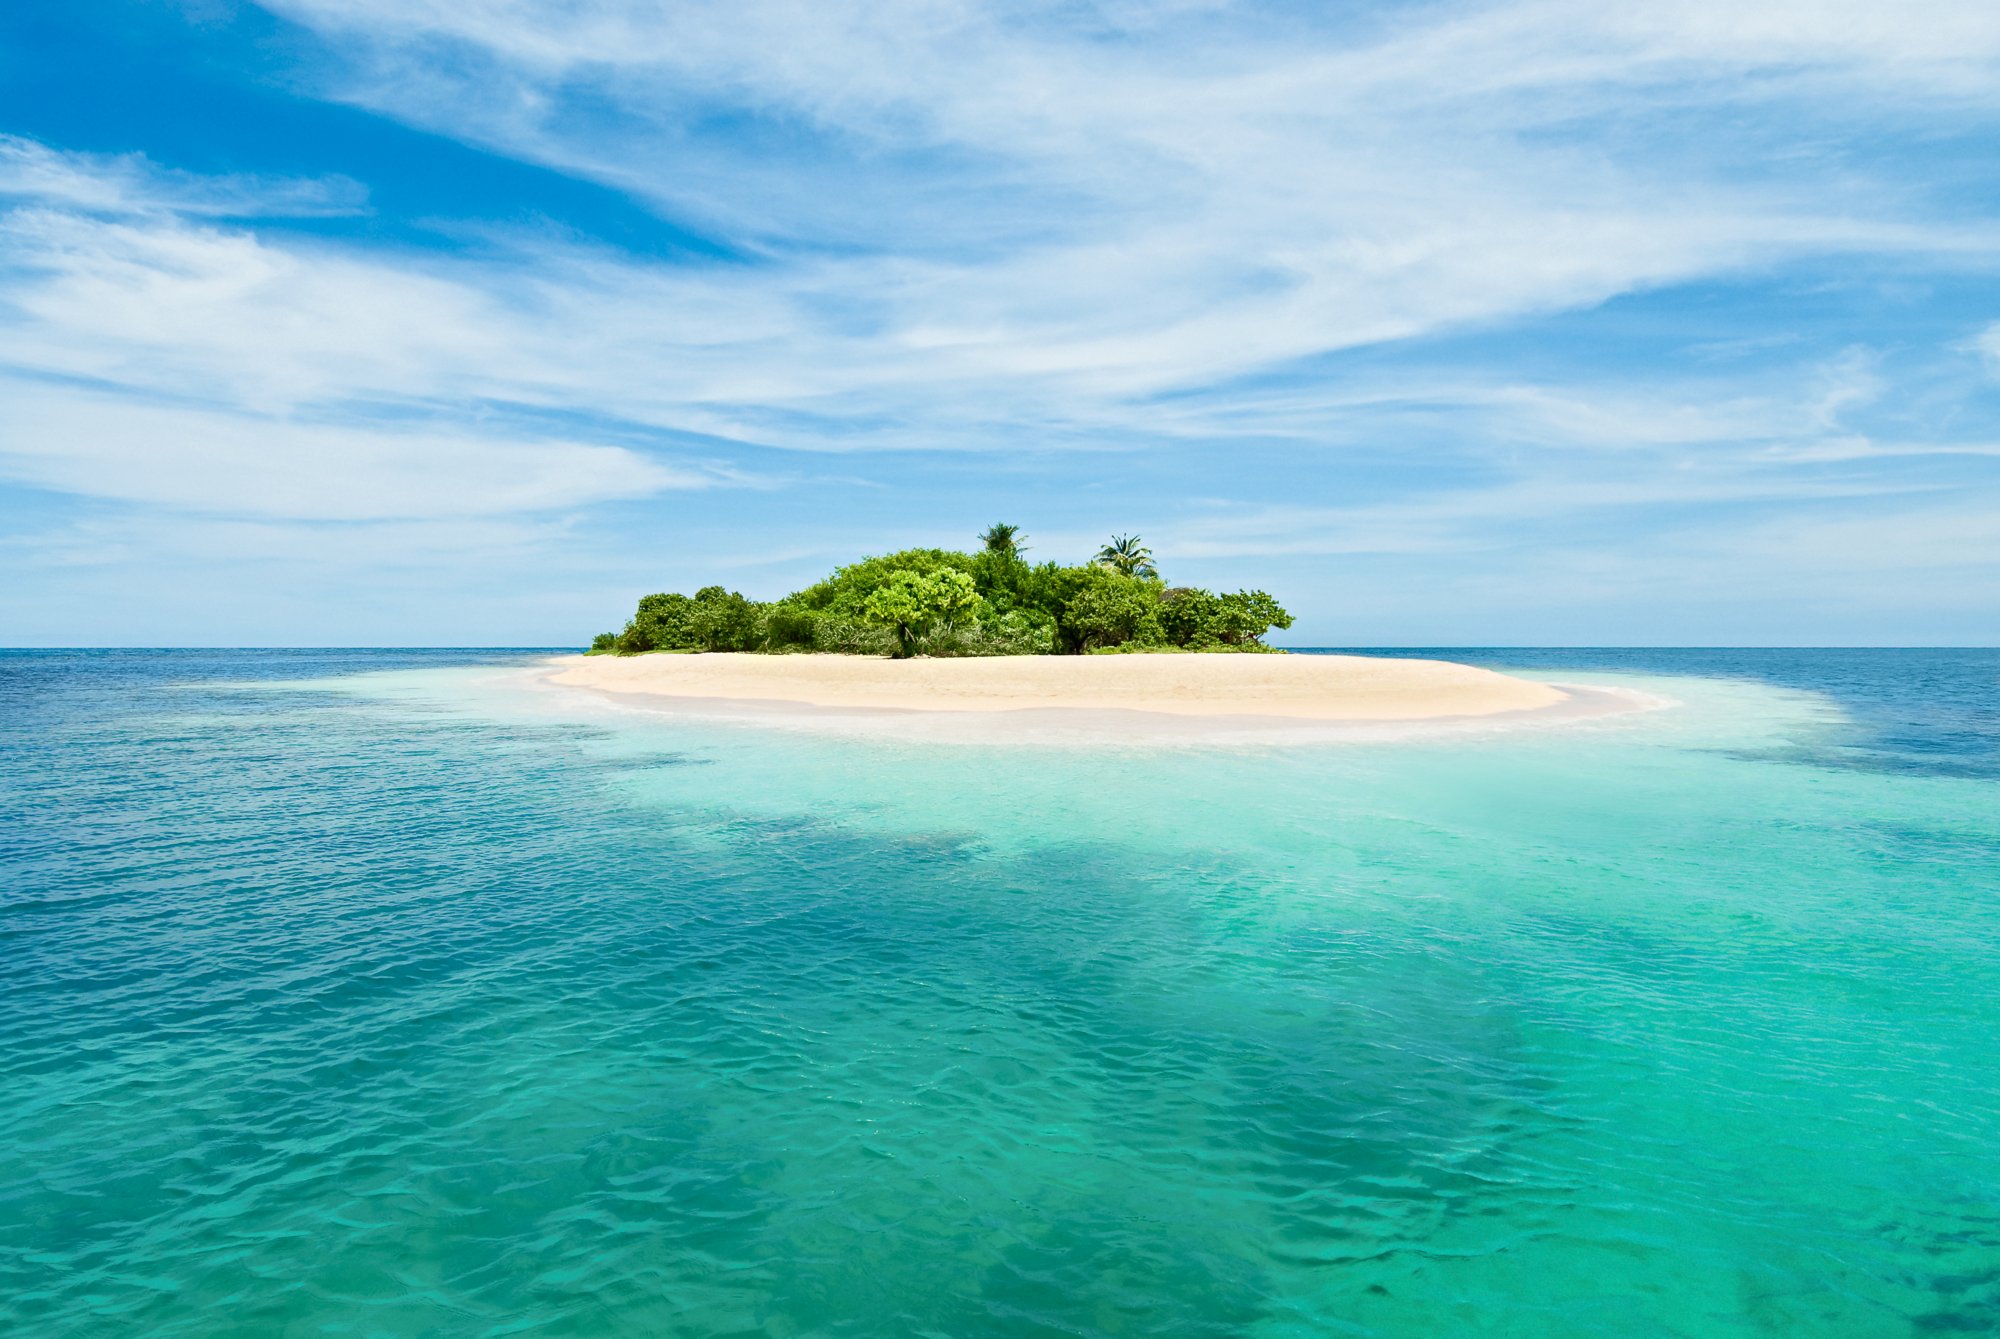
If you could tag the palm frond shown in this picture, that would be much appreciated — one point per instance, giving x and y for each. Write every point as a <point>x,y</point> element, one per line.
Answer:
<point>1128,555</point>
<point>1003,538</point>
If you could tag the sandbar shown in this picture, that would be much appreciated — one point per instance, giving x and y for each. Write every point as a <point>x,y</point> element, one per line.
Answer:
<point>1296,687</point>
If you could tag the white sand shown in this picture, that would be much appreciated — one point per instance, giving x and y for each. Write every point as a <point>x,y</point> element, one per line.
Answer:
<point>1313,688</point>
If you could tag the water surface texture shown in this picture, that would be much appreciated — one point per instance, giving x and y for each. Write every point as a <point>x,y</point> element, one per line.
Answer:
<point>383,993</point>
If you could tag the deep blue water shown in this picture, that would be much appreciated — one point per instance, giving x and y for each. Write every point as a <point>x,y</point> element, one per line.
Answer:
<point>1915,710</point>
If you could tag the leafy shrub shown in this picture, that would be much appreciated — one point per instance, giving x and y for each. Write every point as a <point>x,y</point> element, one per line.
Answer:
<point>788,627</point>
<point>850,636</point>
<point>939,602</point>
<point>918,607</point>
<point>848,589</point>
<point>1108,608</point>
<point>1198,619</point>
<point>723,620</point>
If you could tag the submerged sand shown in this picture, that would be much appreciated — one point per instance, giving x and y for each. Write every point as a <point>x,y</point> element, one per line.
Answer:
<point>1314,688</point>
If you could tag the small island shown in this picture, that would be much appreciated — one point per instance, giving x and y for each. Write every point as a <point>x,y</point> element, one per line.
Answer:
<point>933,630</point>
<point>945,603</point>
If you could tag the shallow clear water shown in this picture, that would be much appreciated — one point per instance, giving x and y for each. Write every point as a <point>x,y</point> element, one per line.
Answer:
<point>382,993</point>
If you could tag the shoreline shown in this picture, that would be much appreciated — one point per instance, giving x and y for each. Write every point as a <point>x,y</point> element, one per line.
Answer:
<point>1165,689</point>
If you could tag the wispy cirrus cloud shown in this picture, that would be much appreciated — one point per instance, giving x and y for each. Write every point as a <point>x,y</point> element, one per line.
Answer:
<point>204,461</point>
<point>130,183</point>
<point>1086,204</point>
<point>159,355</point>
<point>951,214</point>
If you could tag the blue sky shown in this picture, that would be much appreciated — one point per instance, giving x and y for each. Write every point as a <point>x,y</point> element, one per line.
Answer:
<point>468,321</point>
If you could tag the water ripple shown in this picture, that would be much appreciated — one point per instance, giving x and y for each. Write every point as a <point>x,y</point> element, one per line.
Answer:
<point>368,1016</point>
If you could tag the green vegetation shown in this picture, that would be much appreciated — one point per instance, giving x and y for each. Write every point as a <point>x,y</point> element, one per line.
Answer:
<point>1005,539</point>
<point>1127,556</point>
<point>990,602</point>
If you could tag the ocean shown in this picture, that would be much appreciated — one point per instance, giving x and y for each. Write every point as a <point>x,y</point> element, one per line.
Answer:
<point>380,993</point>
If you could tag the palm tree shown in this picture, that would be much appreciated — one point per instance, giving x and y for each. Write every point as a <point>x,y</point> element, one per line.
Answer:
<point>1004,539</point>
<point>1126,555</point>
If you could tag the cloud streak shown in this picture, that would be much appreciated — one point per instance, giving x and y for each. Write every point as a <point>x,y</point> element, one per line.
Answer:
<point>132,184</point>
<point>204,462</point>
<point>1114,205</point>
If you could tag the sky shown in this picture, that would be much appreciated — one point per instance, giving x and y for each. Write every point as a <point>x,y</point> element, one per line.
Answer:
<point>466,322</point>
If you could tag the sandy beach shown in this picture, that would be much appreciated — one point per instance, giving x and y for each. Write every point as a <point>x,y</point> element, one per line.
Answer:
<point>1306,688</point>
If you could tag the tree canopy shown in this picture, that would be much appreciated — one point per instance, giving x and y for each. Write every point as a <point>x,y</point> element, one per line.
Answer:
<point>914,606</point>
<point>945,603</point>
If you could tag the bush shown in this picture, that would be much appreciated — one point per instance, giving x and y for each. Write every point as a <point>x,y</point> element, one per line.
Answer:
<point>920,608</point>
<point>1014,633</point>
<point>661,624</point>
<point>850,636</point>
<point>937,602</point>
<point>1246,616</point>
<point>723,620</point>
<point>848,589</point>
<point>1107,608</point>
<point>1018,632</point>
<point>1197,619</point>
<point>788,627</point>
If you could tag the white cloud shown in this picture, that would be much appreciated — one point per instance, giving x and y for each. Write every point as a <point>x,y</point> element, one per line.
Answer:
<point>1988,344</point>
<point>1520,514</point>
<point>765,354</point>
<point>201,461</point>
<point>967,226</point>
<point>1082,220</point>
<point>129,184</point>
<point>204,311</point>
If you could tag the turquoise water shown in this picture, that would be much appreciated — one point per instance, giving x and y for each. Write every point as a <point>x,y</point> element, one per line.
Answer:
<point>380,993</point>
